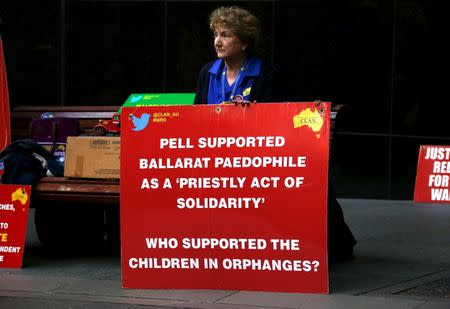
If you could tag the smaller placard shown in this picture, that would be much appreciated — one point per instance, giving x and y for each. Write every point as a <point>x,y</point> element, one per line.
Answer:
<point>433,175</point>
<point>14,205</point>
<point>158,99</point>
<point>5,121</point>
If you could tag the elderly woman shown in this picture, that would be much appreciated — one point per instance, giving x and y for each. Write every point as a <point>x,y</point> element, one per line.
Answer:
<point>237,75</point>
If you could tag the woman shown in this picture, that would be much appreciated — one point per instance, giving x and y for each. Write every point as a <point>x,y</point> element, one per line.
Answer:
<point>237,75</point>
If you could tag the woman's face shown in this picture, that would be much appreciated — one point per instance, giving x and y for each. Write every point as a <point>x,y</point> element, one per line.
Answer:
<point>228,46</point>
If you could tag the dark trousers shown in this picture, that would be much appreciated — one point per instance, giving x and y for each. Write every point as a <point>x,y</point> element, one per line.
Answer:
<point>340,237</point>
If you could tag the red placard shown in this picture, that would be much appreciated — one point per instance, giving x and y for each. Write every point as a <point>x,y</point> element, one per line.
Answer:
<point>14,205</point>
<point>433,174</point>
<point>5,128</point>
<point>225,197</point>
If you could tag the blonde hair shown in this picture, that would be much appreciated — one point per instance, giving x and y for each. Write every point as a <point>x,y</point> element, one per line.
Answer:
<point>241,22</point>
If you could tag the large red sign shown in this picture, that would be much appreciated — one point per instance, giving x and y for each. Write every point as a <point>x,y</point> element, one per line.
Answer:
<point>225,197</point>
<point>433,175</point>
<point>5,128</point>
<point>14,205</point>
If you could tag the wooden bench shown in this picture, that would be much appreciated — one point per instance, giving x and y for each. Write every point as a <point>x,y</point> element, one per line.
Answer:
<point>60,188</point>
<point>63,205</point>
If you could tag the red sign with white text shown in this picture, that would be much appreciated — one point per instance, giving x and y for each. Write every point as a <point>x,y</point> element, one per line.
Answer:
<point>225,197</point>
<point>14,205</point>
<point>5,127</point>
<point>433,174</point>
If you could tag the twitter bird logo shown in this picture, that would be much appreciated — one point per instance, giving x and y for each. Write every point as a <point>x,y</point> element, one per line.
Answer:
<point>134,99</point>
<point>140,123</point>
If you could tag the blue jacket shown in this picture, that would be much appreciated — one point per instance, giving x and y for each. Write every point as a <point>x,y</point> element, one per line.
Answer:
<point>266,87</point>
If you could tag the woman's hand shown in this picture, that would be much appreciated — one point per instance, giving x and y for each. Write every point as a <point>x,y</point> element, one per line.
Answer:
<point>238,99</point>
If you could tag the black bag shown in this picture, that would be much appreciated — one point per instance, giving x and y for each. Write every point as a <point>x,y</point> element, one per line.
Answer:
<point>26,162</point>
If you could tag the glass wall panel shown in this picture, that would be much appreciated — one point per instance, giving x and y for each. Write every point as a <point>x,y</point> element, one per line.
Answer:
<point>360,166</point>
<point>113,49</point>
<point>341,52</point>
<point>30,34</point>
<point>422,69</point>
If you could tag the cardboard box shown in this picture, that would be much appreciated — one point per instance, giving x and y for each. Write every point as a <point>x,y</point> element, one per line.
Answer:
<point>92,157</point>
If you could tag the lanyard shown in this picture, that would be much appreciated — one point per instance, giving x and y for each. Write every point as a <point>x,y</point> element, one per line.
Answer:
<point>236,82</point>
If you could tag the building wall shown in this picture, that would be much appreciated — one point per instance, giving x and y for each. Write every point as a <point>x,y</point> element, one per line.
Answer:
<point>385,60</point>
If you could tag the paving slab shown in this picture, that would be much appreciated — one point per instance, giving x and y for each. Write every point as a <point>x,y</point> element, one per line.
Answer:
<point>295,300</point>
<point>402,260</point>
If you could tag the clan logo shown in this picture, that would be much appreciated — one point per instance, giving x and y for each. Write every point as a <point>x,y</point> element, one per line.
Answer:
<point>20,195</point>
<point>311,119</point>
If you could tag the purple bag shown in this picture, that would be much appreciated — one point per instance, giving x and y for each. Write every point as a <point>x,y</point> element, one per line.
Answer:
<point>52,133</point>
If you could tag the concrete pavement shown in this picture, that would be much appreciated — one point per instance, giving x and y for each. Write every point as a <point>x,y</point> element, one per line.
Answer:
<point>402,260</point>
